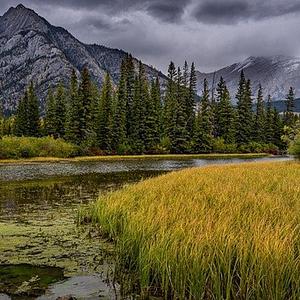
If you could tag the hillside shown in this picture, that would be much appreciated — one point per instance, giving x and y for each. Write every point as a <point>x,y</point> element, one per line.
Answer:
<point>276,74</point>
<point>33,49</point>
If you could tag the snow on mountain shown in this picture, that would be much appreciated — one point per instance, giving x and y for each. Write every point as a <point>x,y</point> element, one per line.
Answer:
<point>276,74</point>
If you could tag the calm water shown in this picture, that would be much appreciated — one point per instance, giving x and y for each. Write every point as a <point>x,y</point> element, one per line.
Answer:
<point>43,254</point>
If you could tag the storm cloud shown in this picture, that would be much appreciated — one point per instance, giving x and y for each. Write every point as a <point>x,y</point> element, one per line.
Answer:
<point>213,33</point>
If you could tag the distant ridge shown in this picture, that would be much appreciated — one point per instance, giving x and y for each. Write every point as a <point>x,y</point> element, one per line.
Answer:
<point>276,74</point>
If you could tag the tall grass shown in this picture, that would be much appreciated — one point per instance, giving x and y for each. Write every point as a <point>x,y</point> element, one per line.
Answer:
<point>220,232</point>
<point>26,147</point>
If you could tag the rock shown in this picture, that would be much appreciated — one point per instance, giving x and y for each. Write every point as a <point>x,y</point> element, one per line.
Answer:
<point>68,297</point>
<point>33,49</point>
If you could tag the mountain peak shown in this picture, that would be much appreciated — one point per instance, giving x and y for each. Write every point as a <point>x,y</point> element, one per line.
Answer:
<point>21,18</point>
<point>21,6</point>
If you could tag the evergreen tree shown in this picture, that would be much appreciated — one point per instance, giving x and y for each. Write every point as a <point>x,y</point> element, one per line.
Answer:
<point>84,107</point>
<point>179,134</point>
<point>33,117</point>
<point>289,117</point>
<point>50,116</point>
<point>259,126</point>
<point>152,116</point>
<point>203,137</point>
<point>104,134</point>
<point>225,118</point>
<point>74,112</point>
<point>21,122</point>
<point>244,109</point>
<point>130,92</point>
<point>170,102</point>
<point>277,125</point>
<point>190,103</point>
<point>119,132</point>
<point>60,111</point>
<point>141,98</point>
<point>269,130</point>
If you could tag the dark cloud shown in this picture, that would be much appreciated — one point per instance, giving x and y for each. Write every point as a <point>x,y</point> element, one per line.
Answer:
<point>158,31</point>
<point>233,11</point>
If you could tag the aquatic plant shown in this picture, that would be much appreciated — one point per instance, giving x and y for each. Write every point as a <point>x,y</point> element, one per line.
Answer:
<point>220,232</point>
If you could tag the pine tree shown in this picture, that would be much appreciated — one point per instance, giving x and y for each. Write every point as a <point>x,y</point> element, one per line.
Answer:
<point>74,111</point>
<point>245,114</point>
<point>60,111</point>
<point>269,130</point>
<point>50,116</point>
<point>152,116</point>
<point>179,136</point>
<point>84,107</point>
<point>170,102</point>
<point>190,103</point>
<point>104,133</point>
<point>119,133</point>
<point>203,137</point>
<point>289,117</point>
<point>130,91</point>
<point>21,121</point>
<point>141,97</point>
<point>259,125</point>
<point>33,117</point>
<point>277,130</point>
<point>224,114</point>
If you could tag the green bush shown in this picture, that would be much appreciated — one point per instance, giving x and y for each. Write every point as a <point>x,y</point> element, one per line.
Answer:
<point>294,148</point>
<point>26,147</point>
<point>254,147</point>
<point>219,146</point>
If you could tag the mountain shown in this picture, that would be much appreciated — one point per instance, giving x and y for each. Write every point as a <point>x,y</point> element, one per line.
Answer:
<point>33,49</point>
<point>276,74</point>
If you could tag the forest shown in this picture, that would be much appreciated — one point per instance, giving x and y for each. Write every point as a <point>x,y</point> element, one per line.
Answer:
<point>142,116</point>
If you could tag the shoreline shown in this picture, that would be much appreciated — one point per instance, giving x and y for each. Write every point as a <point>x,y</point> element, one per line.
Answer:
<point>133,157</point>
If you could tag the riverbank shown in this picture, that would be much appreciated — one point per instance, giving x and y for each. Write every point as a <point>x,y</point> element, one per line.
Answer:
<point>216,232</point>
<point>133,157</point>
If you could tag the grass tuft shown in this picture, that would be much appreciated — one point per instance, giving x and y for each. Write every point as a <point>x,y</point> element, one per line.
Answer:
<point>220,232</point>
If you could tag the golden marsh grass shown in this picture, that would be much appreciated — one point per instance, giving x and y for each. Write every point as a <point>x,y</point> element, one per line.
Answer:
<point>219,232</point>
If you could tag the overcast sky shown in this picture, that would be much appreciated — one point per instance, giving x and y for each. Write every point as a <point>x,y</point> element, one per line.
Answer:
<point>213,33</point>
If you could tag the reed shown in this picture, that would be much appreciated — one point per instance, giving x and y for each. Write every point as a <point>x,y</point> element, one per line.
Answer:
<point>220,232</point>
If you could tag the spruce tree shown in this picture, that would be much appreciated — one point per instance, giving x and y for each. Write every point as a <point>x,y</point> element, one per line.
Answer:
<point>50,116</point>
<point>179,136</point>
<point>33,117</point>
<point>259,125</point>
<point>74,112</point>
<point>130,91</point>
<point>225,118</point>
<point>269,130</point>
<point>141,97</point>
<point>191,104</point>
<point>119,132</point>
<point>60,111</point>
<point>203,137</point>
<point>277,130</point>
<point>104,133</point>
<point>152,118</point>
<point>170,102</point>
<point>84,107</point>
<point>244,109</point>
<point>21,120</point>
<point>290,105</point>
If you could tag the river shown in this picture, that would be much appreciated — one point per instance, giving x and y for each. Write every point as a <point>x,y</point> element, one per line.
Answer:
<point>43,253</point>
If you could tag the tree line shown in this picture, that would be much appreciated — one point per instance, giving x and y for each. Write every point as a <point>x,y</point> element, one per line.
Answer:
<point>136,116</point>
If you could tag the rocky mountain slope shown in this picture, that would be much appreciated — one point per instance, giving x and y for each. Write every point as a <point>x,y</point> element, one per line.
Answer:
<point>276,74</point>
<point>33,49</point>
